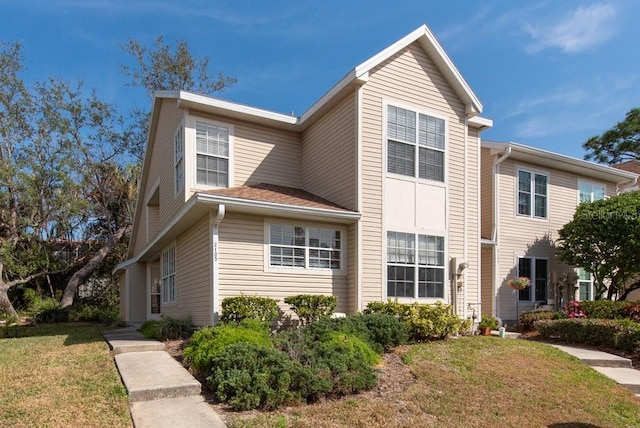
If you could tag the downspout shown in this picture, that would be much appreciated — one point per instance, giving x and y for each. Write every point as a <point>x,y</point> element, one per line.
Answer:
<point>495,227</point>
<point>358,239</point>
<point>214,223</point>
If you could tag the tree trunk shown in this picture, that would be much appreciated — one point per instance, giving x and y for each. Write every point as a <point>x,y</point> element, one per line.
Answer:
<point>5,303</point>
<point>85,271</point>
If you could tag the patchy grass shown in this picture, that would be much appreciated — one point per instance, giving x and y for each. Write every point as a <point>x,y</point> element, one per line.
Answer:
<point>475,382</point>
<point>60,375</point>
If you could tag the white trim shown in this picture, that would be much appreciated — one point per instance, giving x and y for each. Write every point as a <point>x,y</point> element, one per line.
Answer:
<point>533,173</point>
<point>151,316</point>
<point>532,287</point>
<point>480,122</point>
<point>178,187</point>
<point>305,270</point>
<point>214,225</point>
<point>192,152</point>
<point>358,192</point>
<point>174,302</point>
<point>590,183</point>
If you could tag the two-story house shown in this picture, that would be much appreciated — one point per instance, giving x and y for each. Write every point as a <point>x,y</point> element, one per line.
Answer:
<point>372,193</point>
<point>528,194</point>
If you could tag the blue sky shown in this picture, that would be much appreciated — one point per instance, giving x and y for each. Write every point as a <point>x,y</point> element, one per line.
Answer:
<point>549,73</point>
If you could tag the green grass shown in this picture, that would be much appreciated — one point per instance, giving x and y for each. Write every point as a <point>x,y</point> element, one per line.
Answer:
<point>60,375</point>
<point>477,382</point>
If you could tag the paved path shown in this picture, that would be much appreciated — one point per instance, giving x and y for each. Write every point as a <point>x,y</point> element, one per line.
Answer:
<point>161,391</point>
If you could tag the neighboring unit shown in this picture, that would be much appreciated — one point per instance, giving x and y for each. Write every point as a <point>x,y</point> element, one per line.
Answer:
<point>528,194</point>
<point>373,193</point>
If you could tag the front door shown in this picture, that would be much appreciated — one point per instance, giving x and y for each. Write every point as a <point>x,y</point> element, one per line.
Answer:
<point>154,290</point>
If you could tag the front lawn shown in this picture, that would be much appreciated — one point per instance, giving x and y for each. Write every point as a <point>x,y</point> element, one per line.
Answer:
<point>471,382</point>
<point>60,375</point>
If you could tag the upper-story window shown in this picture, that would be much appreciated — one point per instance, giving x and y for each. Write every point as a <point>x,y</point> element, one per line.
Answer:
<point>415,144</point>
<point>168,263</point>
<point>178,159</point>
<point>212,154</point>
<point>589,192</point>
<point>532,194</point>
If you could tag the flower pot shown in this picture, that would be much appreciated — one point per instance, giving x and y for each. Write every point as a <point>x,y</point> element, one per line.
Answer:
<point>485,331</point>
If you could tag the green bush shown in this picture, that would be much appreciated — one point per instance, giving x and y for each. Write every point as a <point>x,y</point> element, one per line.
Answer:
<point>250,376</point>
<point>236,309</point>
<point>423,321</point>
<point>150,329</point>
<point>604,309</point>
<point>44,310</point>
<point>311,307</point>
<point>208,342</point>
<point>109,315</point>
<point>175,328</point>
<point>354,345</point>
<point>527,319</point>
<point>384,330</point>
<point>488,322</point>
<point>617,334</point>
<point>632,311</point>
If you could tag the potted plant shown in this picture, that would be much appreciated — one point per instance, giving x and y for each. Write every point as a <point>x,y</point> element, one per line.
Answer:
<point>487,324</point>
<point>519,283</point>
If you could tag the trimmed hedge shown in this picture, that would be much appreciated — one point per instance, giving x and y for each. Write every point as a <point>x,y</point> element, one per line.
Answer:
<point>528,319</point>
<point>236,309</point>
<point>617,334</point>
<point>605,309</point>
<point>312,307</point>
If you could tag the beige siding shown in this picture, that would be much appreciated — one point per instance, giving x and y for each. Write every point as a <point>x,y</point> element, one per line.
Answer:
<point>137,277</point>
<point>242,267</point>
<point>193,275</point>
<point>524,236</point>
<point>486,278</point>
<point>486,198</point>
<point>411,78</point>
<point>328,155</point>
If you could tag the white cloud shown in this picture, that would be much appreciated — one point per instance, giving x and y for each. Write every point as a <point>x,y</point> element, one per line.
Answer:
<point>581,29</point>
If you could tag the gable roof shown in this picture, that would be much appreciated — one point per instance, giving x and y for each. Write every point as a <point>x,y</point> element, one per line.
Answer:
<point>554,160</point>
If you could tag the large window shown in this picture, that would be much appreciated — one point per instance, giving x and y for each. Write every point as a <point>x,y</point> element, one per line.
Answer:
<point>304,247</point>
<point>212,155</point>
<point>415,265</point>
<point>415,143</point>
<point>169,275</point>
<point>585,285</point>
<point>589,192</point>
<point>178,158</point>
<point>532,194</point>
<point>536,271</point>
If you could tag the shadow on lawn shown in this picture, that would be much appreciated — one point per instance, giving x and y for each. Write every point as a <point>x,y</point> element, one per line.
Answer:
<point>75,332</point>
<point>572,425</point>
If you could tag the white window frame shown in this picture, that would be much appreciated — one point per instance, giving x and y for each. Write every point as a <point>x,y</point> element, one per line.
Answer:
<point>591,191</point>
<point>168,269</point>
<point>414,142</point>
<point>229,157</point>
<point>588,283</point>
<point>307,248</point>
<point>532,193</point>
<point>178,159</point>
<point>533,286</point>
<point>417,266</point>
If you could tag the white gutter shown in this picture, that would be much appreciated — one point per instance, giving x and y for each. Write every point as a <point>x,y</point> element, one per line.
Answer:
<point>358,240</point>
<point>495,227</point>
<point>214,223</point>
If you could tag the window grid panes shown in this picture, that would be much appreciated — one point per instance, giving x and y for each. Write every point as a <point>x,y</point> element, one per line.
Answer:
<point>415,273</point>
<point>212,155</point>
<point>404,139</point>
<point>169,275</point>
<point>178,150</point>
<point>305,247</point>
<point>591,192</point>
<point>532,194</point>
<point>585,284</point>
<point>537,271</point>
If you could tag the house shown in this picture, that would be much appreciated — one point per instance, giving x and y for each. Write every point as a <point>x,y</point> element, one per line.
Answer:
<point>372,193</point>
<point>527,195</point>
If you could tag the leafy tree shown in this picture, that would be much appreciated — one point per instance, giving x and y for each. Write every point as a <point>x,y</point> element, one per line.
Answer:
<point>604,238</point>
<point>618,144</point>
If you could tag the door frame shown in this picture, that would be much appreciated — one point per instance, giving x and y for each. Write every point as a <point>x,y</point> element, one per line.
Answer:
<point>150,279</point>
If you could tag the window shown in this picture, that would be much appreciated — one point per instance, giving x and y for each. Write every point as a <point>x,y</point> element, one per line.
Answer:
<point>178,159</point>
<point>412,273</point>
<point>415,136</point>
<point>212,155</point>
<point>589,192</point>
<point>169,275</point>
<point>585,284</point>
<point>532,194</point>
<point>536,271</point>
<point>304,247</point>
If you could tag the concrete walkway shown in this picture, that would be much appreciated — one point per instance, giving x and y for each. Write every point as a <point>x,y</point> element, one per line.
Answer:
<point>161,391</point>
<point>614,367</point>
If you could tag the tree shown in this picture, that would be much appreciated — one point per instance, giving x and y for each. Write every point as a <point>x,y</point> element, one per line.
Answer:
<point>604,238</point>
<point>618,144</point>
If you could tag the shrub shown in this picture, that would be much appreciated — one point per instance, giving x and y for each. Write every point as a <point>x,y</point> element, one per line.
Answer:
<point>354,345</point>
<point>604,309</point>
<point>311,307</point>
<point>109,315</point>
<point>633,311</point>
<point>175,328</point>
<point>44,310</point>
<point>618,334</point>
<point>488,322</point>
<point>385,330</point>
<point>150,329</point>
<point>208,342</point>
<point>390,307</point>
<point>249,376</point>
<point>236,309</point>
<point>527,319</point>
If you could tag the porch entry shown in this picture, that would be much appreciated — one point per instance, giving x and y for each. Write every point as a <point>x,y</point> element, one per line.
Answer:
<point>155,283</point>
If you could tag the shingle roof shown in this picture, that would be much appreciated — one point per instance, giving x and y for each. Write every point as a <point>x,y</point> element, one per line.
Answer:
<point>272,193</point>
<point>631,166</point>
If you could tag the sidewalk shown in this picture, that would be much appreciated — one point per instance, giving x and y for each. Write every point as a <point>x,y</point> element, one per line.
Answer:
<point>161,391</point>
